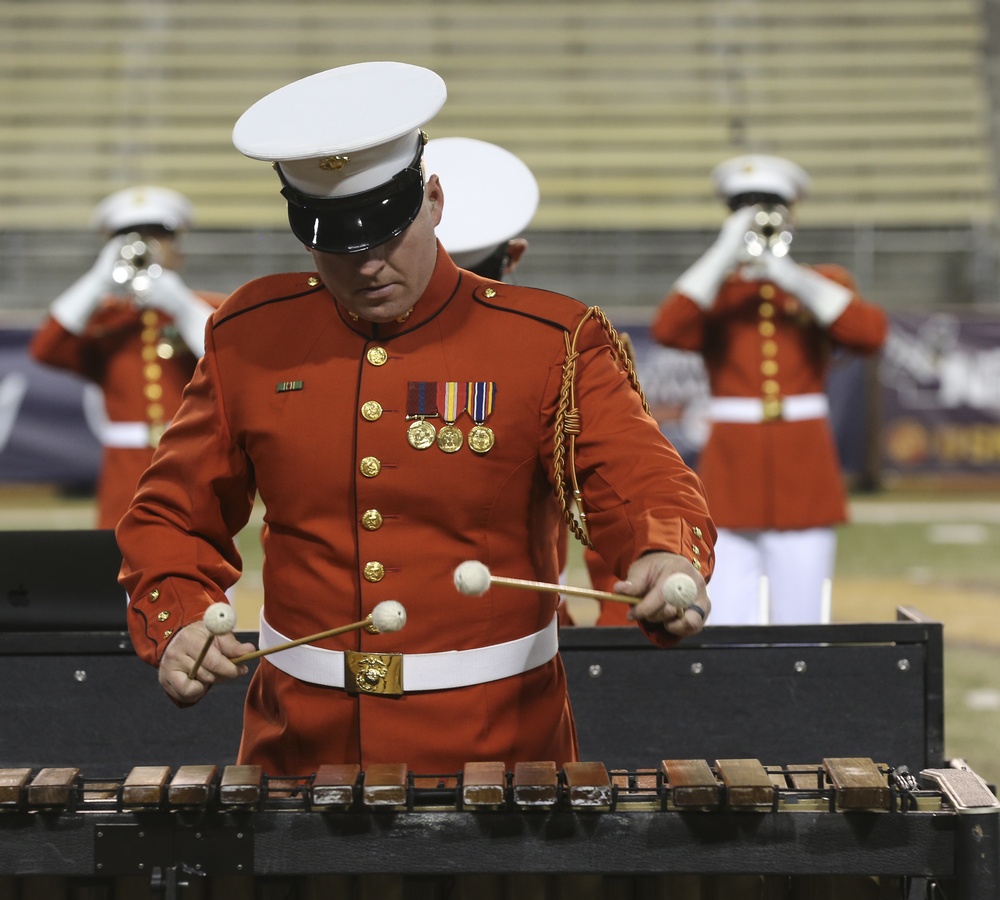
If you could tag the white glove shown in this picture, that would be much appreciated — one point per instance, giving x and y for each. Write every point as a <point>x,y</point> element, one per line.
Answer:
<point>168,293</point>
<point>702,281</point>
<point>73,307</point>
<point>824,297</point>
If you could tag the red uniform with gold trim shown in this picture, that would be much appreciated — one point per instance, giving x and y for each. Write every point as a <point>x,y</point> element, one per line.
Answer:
<point>298,402</point>
<point>759,341</point>
<point>141,365</point>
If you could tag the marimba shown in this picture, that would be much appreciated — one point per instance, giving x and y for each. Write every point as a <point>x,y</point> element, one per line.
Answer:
<point>733,816</point>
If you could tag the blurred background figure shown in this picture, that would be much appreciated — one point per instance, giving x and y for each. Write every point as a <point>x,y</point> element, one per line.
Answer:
<point>132,327</point>
<point>766,328</point>
<point>492,197</point>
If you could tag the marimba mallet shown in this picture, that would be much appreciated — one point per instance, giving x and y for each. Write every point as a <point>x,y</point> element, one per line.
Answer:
<point>388,615</point>
<point>219,619</point>
<point>473,577</point>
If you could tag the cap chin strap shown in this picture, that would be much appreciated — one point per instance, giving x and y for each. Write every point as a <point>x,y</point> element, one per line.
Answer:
<point>568,424</point>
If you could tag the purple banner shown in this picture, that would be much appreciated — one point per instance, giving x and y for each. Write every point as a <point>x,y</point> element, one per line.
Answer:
<point>44,432</point>
<point>940,376</point>
<point>939,398</point>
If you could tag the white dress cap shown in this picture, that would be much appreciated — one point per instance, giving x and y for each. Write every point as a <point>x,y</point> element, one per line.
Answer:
<point>143,205</point>
<point>490,196</point>
<point>761,174</point>
<point>343,131</point>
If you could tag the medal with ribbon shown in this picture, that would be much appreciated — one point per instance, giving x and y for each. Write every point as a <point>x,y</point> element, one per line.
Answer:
<point>451,400</point>
<point>480,407</point>
<point>421,405</point>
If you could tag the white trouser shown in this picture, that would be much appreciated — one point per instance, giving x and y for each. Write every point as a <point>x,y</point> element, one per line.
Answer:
<point>772,577</point>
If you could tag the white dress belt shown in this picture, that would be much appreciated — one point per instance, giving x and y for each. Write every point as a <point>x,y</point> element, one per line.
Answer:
<point>794,408</point>
<point>125,434</point>
<point>421,671</point>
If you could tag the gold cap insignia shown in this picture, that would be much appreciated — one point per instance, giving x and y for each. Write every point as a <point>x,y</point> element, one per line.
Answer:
<point>334,163</point>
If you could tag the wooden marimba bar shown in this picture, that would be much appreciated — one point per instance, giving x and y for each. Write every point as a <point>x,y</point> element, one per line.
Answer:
<point>735,816</point>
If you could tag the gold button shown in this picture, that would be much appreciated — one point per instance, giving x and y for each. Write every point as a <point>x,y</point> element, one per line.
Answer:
<point>696,531</point>
<point>163,615</point>
<point>370,466</point>
<point>696,550</point>
<point>312,281</point>
<point>376,356</point>
<point>766,310</point>
<point>766,329</point>
<point>372,410</point>
<point>149,335</point>
<point>154,595</point>
<point>696,564</point>
<point>167,633</point>
<point>374,571</point>
<point>152,371</point>
<point>489,292</point>
<point>766,291</point>
<point>153,392</point>
<point>371,519</point>
<point>149,353</point>
<point>770,386</point>
<point>769,348</point>
<point>769,367</point>
<point>154,412</point>
<point>149,317</point>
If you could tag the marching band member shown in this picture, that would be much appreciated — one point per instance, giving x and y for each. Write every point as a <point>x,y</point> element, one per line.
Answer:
<point>766,328</point>
<point>396,416</point>
<point>131,326</point>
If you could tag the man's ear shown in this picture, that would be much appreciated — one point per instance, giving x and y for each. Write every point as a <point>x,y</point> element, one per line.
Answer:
<point>515,250</point>
<point>435,198</point>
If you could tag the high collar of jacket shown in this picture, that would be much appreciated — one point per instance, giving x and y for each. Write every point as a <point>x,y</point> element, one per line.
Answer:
<point>440,291</point>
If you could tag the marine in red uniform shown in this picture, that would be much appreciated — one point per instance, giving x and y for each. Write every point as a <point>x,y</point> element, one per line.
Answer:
<point>397,416</point>
<point>132,327</point>
<point>767,328</point>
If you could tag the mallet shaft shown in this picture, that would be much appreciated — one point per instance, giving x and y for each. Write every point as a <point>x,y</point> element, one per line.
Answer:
<point>563,589</point>
<point>308,639</point>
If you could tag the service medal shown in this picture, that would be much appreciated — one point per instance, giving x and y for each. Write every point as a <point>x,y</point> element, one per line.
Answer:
<point>421,403</point>
<point>481,438</point>
<point>479,405</point>
<point>420,434</point>
<point>450,438</point>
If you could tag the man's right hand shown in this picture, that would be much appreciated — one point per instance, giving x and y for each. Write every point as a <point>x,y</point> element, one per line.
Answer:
<point>701,282</point>
<point>180,655</point>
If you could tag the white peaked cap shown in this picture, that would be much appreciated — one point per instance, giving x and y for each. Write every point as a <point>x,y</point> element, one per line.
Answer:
<point>490,196</point>
<point>346,143</point>
<point>143,205</point>
<point>345,130</point>
<point>761,174</point>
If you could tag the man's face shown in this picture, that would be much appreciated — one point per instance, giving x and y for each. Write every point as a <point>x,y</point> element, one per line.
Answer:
<point>381,284</point>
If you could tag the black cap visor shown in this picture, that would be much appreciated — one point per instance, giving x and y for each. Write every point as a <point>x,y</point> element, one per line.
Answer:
<point>360,221</point>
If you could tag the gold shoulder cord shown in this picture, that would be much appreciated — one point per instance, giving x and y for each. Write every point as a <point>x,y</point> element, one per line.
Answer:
<point>568,425</point>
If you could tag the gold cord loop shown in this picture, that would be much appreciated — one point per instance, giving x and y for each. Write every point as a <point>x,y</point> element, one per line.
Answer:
<point>568,423</point>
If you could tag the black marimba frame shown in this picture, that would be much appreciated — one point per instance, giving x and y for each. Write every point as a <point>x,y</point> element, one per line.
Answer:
<point>923,834</point>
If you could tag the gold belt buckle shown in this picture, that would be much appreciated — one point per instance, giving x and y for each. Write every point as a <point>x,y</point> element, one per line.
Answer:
<point>773,409</point>
<point>373,673</point>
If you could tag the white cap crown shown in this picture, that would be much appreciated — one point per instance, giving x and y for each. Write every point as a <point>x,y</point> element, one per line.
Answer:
<point>143,205</point>
<point>760,174</point>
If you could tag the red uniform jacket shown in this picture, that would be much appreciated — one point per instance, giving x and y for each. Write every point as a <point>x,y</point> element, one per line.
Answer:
<point>129,361</point>
<point>282,404</point>
<point>776,474</point>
